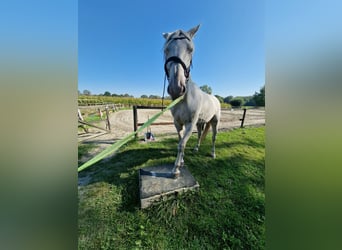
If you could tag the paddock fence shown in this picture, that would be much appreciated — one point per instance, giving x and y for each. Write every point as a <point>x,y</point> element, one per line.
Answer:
<point>236,114</point>
<point>136,124</point>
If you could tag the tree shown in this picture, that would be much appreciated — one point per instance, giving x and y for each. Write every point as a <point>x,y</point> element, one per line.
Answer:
<point>154,97</point>
<point>107,93</point>
<point>259,98</point>
<point>206,89</point>
<point>86,92</point>
<point>228,99</point>
<point>250,102</point>
<point>236,102</point>
<point>144,96</point>
<point>220,98</point>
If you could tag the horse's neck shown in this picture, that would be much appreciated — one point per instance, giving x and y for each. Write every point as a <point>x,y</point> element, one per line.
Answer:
<point>193,97</point>
<point>193,91</point>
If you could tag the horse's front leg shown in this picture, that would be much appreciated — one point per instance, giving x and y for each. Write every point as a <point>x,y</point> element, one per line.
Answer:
<point>181,146</point>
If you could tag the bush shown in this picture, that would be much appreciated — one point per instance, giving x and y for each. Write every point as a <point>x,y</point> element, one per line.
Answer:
<point>236,102</point>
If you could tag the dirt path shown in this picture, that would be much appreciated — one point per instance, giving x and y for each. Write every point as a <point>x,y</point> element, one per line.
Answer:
<point>122,124</point>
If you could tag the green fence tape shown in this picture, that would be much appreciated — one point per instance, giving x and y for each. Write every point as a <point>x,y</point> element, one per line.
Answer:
<point>120,143</point>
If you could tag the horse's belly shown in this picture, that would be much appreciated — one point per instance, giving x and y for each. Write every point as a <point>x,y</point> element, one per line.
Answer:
<point>200,120</point>
<point>205,117</point>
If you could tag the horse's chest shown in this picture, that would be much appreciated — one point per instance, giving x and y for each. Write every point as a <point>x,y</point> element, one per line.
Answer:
<point>184,114</point>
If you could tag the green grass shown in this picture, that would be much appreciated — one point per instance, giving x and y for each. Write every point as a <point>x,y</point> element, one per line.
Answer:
<point>94,117</point>
<point>84,150</point>
<point>228,211</point>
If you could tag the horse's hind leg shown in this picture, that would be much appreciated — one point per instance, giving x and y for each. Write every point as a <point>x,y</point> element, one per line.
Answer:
<point>214,125</point>
<point>199,133</point>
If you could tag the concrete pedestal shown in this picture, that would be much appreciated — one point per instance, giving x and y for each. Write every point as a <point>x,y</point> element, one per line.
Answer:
<point>156,182</point>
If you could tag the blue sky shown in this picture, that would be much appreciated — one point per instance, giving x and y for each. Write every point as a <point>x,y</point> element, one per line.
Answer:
<point>120,45</point>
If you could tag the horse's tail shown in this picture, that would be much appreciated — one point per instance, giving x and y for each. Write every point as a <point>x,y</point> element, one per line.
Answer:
<point>205,132</point>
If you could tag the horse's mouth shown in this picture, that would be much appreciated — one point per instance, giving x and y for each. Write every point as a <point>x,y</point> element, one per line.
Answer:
<point>175,94</point>
<point>181,93</point>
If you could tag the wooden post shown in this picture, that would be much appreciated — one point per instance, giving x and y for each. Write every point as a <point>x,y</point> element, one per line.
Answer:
<point>80,118</point>
<point>243,117</point>
<point>100,113</point>
<point>135,119</point>
<point>91,125</point>
<point>108,122</point>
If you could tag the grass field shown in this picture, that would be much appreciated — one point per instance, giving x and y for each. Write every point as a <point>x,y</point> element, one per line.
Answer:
<point>228,211</point>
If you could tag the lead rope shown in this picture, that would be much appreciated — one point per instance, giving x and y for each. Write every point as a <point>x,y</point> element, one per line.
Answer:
<point>163,93</point>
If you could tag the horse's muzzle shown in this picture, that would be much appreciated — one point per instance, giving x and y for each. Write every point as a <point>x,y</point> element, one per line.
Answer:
<point>176,91</point>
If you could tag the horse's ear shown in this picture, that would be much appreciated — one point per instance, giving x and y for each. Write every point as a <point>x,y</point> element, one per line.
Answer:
<point>166,35</point>
<point>193,31</point>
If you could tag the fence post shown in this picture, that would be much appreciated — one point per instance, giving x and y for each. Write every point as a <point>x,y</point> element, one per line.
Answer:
<point>80,118</point>
<point>108,122</point>
<point>100,113</point>
<point>243,117</point>
<point>135,119</point>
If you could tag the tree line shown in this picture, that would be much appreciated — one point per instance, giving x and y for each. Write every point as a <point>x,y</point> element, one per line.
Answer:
<point>258,99</point>
<point>107,93</point>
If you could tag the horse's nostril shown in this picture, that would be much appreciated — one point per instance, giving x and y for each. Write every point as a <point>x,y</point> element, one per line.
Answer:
<point>182,90</point>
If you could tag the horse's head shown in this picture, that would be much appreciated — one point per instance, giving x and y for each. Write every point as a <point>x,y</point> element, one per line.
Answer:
<point>178,51</point>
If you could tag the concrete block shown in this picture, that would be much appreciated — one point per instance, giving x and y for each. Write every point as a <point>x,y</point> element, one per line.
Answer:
<point>156,182</point>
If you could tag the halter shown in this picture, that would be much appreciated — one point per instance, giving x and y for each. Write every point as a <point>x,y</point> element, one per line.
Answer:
<point>176,59</point>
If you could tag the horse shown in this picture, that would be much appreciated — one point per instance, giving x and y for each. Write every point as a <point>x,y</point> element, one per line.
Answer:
<point>197,108</point>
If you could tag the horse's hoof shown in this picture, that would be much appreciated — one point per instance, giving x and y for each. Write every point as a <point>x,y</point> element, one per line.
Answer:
<point>176,174</point>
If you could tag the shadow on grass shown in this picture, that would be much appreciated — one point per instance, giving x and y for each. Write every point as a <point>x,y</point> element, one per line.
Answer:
<point>95,142</point>
<point>122,169</point>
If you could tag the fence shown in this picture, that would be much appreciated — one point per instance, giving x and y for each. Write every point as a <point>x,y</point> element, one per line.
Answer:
<point>107,121</point>
<point>136,124</point>
<point>114,107</point>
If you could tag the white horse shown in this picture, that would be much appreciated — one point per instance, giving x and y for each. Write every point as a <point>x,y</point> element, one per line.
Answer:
<point>197,107</point>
